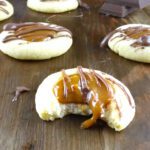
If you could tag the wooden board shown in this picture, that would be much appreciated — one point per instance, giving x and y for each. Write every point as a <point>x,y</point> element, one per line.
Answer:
<point>20,126</point>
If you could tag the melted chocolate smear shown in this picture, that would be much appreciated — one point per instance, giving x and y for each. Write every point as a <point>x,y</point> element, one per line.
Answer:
<point>83,5</point>
<point>19,91</point>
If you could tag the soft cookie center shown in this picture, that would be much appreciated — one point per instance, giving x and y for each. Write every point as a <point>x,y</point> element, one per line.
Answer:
<point>85,88</point>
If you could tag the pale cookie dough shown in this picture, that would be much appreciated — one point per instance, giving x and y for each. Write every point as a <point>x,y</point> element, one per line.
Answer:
<point>6,10</point>
<point>34,41</point>
<point>118,113</point>
<point>52,6</point>
<point>131,41</point>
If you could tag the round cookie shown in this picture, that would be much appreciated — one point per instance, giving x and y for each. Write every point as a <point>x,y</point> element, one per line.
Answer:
<point>34,41</point>
<point>66,92</point>
<point>6,10</point>
<point>52,6</point>
<point>131,41</point>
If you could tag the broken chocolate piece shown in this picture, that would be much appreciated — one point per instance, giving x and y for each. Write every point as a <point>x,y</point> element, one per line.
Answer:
<point>116,10</point>
<point>121,8</point>
<point>19,91</point>
<point>131,3</point>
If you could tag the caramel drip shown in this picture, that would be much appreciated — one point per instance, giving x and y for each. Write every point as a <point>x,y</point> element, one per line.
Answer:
<point>85,88</point>
<point>32,32</point>
<point>3,3</point>
<point>139,33</point>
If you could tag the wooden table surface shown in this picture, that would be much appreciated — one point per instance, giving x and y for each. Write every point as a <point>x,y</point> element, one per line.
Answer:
<point>20,126</point>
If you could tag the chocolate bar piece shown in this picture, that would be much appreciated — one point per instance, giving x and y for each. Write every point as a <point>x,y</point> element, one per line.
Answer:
<point>122,8</point>
<point>131,3</point>
<point>116,9</point>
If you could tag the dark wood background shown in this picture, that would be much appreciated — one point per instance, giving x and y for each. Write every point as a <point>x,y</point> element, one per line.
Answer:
<point>20,126</point>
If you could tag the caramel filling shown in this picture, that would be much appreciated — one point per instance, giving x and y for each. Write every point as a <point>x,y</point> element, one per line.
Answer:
<point>32,33</point>
<point>137,32</point>
<point>85,88</point>
<point>141,34</point>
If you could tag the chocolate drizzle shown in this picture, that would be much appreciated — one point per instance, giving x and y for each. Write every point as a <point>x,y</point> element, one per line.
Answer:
<point>106,38</point>
<point>3,4</point>
<point>85,88</point>
<point>33,32</point>
<point>124,90</point>
<point>142,41</point>
<point>140,34</point>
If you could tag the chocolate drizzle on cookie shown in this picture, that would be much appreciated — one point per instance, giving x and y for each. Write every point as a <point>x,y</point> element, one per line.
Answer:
<point>2,5</point>
<point>124,90</point>
<point>144,41</point>
<point>106,38</point>
<point>86,88</point>
<point>32,32</point>
<point>140,34</point>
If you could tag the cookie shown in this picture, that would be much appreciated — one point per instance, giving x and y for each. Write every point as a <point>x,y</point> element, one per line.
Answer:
<point>34,41</point>
<point>52,6</point>
<point>84,91</point>
<point>131,41</point>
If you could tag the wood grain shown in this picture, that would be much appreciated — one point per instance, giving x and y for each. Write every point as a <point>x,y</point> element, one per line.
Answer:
<point>20,126</point>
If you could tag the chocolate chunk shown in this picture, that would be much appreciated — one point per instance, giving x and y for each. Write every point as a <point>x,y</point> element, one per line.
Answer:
<point>121,8</point>
<point>131,3</point>
<point>19,91</point>
<point>116,9</point>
